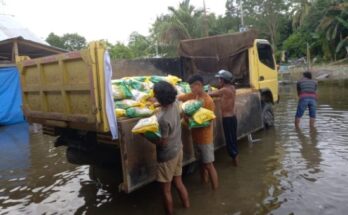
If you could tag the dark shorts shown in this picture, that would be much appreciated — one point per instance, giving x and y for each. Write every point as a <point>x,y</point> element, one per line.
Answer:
<point>230,130</point>
<point>303,104</point>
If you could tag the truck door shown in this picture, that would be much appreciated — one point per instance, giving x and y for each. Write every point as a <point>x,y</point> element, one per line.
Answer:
<point>268,76</point>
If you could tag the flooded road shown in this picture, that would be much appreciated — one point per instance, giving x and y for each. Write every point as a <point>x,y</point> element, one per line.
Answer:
<point>288,171</point>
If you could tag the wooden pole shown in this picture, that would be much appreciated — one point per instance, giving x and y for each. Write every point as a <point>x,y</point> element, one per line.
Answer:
<point>308,57</point>
<point>14,51</point>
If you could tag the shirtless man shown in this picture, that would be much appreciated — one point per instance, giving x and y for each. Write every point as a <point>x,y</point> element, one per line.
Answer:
<point>227,93</point>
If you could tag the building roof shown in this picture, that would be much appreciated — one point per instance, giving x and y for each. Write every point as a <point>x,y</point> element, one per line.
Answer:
<point>11,28</point>
<point>26,48</point>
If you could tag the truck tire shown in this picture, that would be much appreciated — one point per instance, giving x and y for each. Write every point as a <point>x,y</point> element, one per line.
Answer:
<point>267,115</point>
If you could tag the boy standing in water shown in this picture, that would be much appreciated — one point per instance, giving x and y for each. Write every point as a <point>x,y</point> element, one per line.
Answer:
<point>169,146</point>
<point>227,93</point>
<point>203,137</point>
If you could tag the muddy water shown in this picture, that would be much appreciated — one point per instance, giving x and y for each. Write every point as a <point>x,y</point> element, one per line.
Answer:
<point>288,171</point>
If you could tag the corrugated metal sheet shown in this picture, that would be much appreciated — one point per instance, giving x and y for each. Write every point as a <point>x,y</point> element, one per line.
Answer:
<point>11,28</point>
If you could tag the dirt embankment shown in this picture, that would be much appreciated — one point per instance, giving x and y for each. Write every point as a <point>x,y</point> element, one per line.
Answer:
<point>320,72</point>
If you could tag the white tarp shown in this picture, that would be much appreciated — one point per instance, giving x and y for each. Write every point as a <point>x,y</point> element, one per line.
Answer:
<point>11,28</point>
<point>110,107</point>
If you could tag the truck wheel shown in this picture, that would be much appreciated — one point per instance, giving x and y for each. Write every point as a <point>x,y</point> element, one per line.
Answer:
<point>267,115</point>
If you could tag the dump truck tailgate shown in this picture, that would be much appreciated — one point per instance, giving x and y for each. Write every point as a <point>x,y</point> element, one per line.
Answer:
<point>65,90</point>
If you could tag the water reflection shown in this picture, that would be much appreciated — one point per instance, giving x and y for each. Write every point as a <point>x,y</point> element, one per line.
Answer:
<point>288,172</point>
<point>309,150</point>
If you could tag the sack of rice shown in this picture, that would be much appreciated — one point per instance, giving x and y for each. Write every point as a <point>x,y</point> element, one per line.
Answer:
<point>127,103</point>
<point>185,87</point>
<point>120,91</point>
<point>149,127</point>
<point>193,124</point>
<point>203,115</point>
<point>134,112</point>
<point>120,112</point>
<point>191,106</point>
<point>155,79</point>
<point>141,97</point>
<point>172,79</point>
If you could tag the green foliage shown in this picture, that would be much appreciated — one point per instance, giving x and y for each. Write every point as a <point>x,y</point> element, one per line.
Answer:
<point>55,40</point>
<point>74,41</point>
<point>140,45</point>
<point>120,51</point>
<point>184,22</point>
<point>288,24</point>
<point>67,41</point>
<point>296,44</point>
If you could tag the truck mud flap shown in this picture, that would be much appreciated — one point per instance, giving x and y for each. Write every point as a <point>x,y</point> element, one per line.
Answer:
<point>249,113</point>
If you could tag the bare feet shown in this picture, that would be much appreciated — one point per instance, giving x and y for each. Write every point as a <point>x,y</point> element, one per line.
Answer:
<point>236,161</point>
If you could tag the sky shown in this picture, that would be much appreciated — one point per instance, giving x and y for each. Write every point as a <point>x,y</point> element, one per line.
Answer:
<point>113,20</point>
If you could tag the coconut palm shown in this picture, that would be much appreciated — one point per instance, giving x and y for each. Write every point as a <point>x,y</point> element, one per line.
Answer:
<point>299,12</point>
<point>335,26</point>
<point>184,22</point>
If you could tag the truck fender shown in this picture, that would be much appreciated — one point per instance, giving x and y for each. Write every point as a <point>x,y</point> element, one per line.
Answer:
<point>266,96</point>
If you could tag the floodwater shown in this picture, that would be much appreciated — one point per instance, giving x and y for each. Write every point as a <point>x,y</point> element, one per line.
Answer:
<point>288,171</point>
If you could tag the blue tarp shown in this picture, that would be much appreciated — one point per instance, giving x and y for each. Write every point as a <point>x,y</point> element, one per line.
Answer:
<point>10,97</point>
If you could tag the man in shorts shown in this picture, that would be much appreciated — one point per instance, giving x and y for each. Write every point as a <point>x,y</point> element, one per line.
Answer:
<point>307,93</point>
<point>203,137</point>
<point>169,146</point>
<point>227,93</point>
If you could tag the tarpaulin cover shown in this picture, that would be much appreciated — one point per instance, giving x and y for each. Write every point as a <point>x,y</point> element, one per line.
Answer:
<point>10,97</point>
<point>210,54</point>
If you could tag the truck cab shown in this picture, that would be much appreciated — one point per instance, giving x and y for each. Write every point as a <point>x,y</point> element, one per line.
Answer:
<point>263,72</point>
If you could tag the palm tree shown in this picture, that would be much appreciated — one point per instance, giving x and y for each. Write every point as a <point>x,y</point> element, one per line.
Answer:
<point>184,22</point>
<point>299,12</point>
<point>334,26</point>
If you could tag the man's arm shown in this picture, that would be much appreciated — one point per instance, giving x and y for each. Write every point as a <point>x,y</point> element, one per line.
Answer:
<point>298,88</point>
<point>184,97</point>
<point>217,93</point>
<point>159,141</point>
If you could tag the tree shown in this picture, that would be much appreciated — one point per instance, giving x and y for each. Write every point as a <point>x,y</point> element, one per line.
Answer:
<point>74,41</point>
<point>299,12</point>
<point>265,16</point>
<point>335,27</point>
<point>184,22</point>
<point>55,40</point>
<point>120,51</point>
<point>140,45</point>
<point>67,41</point>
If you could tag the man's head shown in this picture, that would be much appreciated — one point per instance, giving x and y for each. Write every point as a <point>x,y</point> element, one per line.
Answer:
<point>196,83</point>
<point>165,93</point>
<point>307,74</point>
<point>224,76</point>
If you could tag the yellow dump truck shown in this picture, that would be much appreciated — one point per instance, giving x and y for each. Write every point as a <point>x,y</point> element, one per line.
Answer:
<point>67,94</point>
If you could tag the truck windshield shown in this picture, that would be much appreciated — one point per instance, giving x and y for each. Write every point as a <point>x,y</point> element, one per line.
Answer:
<point>265,55</point>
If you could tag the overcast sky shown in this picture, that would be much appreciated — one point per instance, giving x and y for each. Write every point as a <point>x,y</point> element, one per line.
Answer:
<point>113,20</point>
